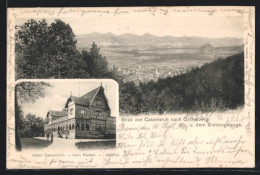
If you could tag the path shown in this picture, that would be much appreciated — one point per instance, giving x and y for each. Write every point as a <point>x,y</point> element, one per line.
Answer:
<point>69,144</point>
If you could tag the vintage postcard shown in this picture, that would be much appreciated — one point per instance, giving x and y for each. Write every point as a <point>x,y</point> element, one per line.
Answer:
<point>131,87</point>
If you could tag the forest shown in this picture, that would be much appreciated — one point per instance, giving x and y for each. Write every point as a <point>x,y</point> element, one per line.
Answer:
<point>215,86</point>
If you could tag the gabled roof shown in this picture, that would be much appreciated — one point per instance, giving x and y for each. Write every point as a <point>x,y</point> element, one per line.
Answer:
<point>57,113</point>
<point>77,100</point>
<point>80,101</point>
<point>86,99</point>
<point>92,94</point>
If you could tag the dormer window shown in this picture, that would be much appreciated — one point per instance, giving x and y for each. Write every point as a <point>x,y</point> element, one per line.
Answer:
<point>82,111</point>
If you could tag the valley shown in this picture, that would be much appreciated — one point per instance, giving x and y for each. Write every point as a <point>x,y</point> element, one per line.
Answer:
<point>148,57</point>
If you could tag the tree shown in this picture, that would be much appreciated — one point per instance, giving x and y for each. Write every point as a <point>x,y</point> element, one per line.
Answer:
<point>30,46</point>
<point>95,63</point>
<point>114,74</point>
<point>20,120</point>
<point>62,49</point>
<point>46,51</point>
<point>130,98</point>
<point>25,92</point>
<point>32,126</point>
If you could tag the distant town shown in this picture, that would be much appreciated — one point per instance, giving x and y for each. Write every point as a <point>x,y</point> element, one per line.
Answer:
<point>147,73</point>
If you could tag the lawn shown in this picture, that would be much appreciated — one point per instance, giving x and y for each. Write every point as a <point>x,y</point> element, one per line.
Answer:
<point>34,143</point>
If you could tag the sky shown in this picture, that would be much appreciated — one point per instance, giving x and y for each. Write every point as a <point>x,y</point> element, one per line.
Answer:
<point>57,95</point>
<point>201,26</point>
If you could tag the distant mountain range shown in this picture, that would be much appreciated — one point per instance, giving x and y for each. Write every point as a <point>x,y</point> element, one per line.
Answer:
<point>112,40</point>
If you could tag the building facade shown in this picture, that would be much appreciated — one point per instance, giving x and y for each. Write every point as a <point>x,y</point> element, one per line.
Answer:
<point>85,117</point>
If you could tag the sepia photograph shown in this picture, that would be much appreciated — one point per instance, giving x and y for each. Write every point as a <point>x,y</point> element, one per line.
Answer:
<point>151,87</point>
<point>66,114</point>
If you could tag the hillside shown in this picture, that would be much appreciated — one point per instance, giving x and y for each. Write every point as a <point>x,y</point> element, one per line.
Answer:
<point>215,86</point>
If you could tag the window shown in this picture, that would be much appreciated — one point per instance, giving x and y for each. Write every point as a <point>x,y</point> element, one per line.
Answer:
<point>98,114</point>
<point>71,111</point>
<point>82,111</point>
